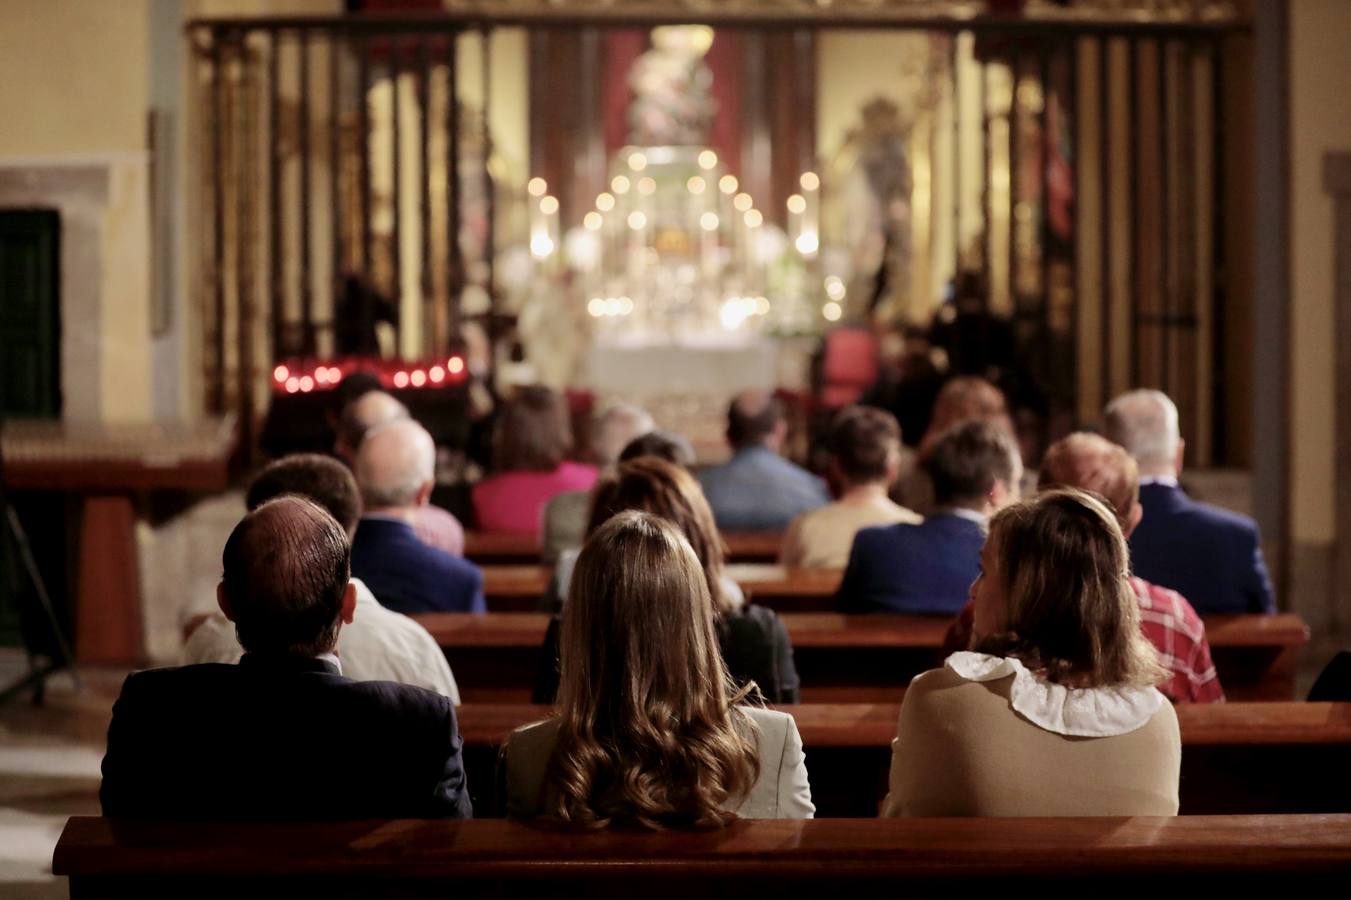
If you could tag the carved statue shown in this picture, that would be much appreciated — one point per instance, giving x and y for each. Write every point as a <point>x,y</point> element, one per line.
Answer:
<point>672,88</point>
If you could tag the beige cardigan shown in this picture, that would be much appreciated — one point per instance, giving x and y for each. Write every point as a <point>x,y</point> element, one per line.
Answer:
<point>961,750</point>
<point>781,791</point>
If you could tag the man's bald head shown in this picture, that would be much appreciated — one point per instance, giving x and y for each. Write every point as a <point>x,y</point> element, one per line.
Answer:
<point>1090,462</point>
<point>396,465</point>
<point>370,410</point>
<point>755,419</point>
<point>1145,423</point>
<point>286,568</point>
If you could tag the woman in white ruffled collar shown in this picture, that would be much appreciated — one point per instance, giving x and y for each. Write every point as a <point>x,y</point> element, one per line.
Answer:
<point>1055,711</point>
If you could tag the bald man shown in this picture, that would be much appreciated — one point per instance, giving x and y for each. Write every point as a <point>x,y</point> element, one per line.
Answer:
<point>282,735</point>
<point>395,468</point>
<point>433,525</point>
<point>757,489</point>
<point>1211,556</point>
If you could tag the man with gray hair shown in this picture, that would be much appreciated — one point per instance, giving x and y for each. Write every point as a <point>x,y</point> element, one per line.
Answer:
<point>434,526</point>
<point>394,469</point>
<point>1211,556</point>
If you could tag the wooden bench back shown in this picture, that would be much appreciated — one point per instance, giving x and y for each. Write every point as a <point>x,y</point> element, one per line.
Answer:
<point>1236,757</point>
<point>850,658</point>
<point>769,858</point>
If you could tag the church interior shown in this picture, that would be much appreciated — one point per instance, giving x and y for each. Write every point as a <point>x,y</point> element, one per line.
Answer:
<point>219,217</point>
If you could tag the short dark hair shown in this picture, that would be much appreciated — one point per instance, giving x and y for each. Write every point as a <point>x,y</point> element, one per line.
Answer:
<point>354,385</point>
<point>864,440</point>
<point>315,477</point>
<point>286,567</point>
<point>665,445</point>
<point>752,419</point>
<point>532,433</point>
<point>967,459</point>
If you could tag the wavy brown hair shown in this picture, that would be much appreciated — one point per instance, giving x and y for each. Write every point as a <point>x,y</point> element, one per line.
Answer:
<point>1072,615</point>
<point>649,733</point>
<point>656,486</point>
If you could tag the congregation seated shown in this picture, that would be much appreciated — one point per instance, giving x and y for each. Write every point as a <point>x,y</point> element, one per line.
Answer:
<point>649,731</point>
<point>865,451</point>
<point>395,471</point>
<point>928,567</point>
<point>433,525</point>
<point>531,439</point>
<point>1093,463</point>
<point>565,514</point>
<point>282,735</point>
<point>378,644</point>
<point>752,638</point>
<point>1211,556</point>
<point>1055,712</point>
<point>757,489</point>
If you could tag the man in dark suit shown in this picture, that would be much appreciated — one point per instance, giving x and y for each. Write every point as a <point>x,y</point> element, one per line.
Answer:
<point>929,567</point>
<point>1211,556</point>
<point>395,469</point>
<point>282,735</point>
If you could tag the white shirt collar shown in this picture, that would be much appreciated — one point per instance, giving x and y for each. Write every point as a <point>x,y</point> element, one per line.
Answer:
<point>331,659</point>
<point>1165,480</point>
<point>962,512</point>
<point>1077,712</point>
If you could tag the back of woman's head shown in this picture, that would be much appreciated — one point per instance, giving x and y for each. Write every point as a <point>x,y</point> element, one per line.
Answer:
<point>648,734</point>
<point>1064,571</point>
<point>652,485</point>
<point>532,432</point>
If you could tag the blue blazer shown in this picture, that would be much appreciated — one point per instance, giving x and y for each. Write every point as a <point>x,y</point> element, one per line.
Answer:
<point>408,576</point>
<point>280,738</point>
<point>924,568</point>
<point>759,490</point>
<point>1211,556</point>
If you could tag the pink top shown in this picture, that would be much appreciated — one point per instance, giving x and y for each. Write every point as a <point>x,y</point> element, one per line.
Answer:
<point>438,528</point>
<point>514,501</point>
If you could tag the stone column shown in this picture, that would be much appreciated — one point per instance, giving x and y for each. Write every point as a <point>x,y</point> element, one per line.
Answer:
<point>1337,182</point>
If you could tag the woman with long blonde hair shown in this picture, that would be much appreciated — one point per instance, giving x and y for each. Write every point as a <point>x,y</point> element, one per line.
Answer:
<point>650,730</point>
<point>1056,711</point>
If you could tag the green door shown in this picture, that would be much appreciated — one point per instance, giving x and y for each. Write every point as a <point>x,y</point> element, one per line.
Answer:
<point>30,372</point>
<point>30,367</point>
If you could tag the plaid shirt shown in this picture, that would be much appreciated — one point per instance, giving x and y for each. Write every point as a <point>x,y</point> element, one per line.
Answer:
<point>1170,624</point>
<point>1179,635</point>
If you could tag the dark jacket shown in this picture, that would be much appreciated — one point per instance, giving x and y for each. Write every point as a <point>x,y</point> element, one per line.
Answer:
<point>1334,684</point>
<point>1211,556</point>
<point>924,568</point>
<point>408,576</point>
<point>280,738</point>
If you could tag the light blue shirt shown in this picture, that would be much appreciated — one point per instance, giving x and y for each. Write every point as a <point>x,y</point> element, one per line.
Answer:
<point>758,490</point>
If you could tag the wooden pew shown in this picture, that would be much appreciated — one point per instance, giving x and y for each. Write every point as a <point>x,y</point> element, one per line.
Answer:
<point>1237,758</point>
<point>519,587</point>
<point>849,658</point>
<point>487,549</point>
<point>775,858</point>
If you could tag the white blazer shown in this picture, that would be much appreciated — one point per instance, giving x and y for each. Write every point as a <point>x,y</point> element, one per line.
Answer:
<point>781,791</point>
